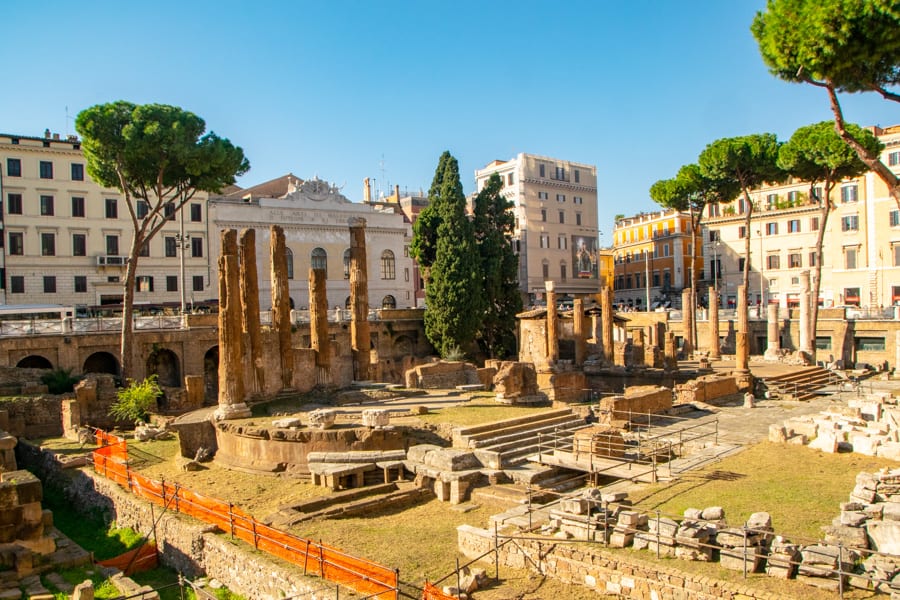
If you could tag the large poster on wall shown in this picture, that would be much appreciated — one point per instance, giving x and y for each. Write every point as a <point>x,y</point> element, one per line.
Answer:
<point>584,257</point>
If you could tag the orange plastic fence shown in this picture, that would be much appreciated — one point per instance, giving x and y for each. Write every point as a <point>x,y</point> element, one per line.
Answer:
<point>364,576</point>
<point>134,561</point>
<point>432,593</point>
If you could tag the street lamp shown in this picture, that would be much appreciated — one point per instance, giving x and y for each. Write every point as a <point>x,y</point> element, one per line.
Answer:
<point>182,242</point>
<point>761,295</point>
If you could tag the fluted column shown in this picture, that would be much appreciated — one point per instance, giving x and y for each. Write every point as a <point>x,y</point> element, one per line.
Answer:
<point>360,339</point>
<point>281,305</point>
<point>231,367</point>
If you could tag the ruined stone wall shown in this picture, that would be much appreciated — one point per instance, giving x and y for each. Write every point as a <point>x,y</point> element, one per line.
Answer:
<point>707,388</point>
<point>563,387</point>
<point>617,574</point>
<point>441,375</point>
<point>33,417</point>
<point>638,399</point>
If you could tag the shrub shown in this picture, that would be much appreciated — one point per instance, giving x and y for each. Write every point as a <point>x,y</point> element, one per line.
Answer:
<point>136,400</point>
<point>60,381</point>
<point>455,354</point>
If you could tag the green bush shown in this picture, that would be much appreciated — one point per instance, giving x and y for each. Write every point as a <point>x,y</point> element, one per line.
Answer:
<point>60,381</point>
<point>136,400</point>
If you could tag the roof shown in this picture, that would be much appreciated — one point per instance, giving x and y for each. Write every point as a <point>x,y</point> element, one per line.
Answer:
<point>541,313</point>
<point>274,188</point>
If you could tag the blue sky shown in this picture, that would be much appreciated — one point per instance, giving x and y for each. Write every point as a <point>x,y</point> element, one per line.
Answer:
<point>352,89</point>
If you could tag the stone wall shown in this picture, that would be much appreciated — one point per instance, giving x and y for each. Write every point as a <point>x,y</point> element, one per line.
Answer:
<point>563,387</point>
<point>33,417</point>
<point>637,399</point>
<point>707,388</point>
<point>442,375</point>
<point>610,573</point>
<point>186,545</point>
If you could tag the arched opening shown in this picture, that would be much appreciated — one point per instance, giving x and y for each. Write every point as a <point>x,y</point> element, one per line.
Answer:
<point>290,263</point>
<point>291,302</point>
<point>388,302</point>
<point>319,260</point>
<point>101,362</point>
<point>403,346</point>
<point>347,303</point>
<point>34,362</point>
<point>387,265</point>
<point>347,263</point>
<point>164,364</point>
<point>211,377</point>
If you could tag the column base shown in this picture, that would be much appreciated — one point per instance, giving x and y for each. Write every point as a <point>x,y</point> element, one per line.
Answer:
<point>232,411</point>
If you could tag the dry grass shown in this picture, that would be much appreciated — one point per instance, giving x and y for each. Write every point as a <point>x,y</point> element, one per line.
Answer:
<point>801,488</point>
<point>477,411</point>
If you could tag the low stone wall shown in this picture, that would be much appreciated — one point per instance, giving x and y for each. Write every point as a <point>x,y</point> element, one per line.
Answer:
<point>442,375</point>
<point>563,387</point>
<point>33,417</point>
<point>707,388</point>
<point>637,399</point>
<point>606,572</point>
<point>186,545</point>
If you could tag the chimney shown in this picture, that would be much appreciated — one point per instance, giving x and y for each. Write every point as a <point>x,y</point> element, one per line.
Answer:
<point>367,191</point>
<point>47,134</point>
<point>397,193</point>
<point>56,136</point>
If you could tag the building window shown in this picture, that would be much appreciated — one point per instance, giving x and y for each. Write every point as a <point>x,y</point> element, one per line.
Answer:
<point>77,172</point>
<point>17,284</point>
<point>849,258</point>
<point>742,232</point>
<point>197,247</point>
<point>388,302</point>
<point>897,255</point>
<point>46,169</point>
<point>289,259</point>
<point>849,193</point>
<point>46,206</point>
<point>851,296</point>
<point>795,260</point>
<point>773,261</point>
<point>196,213</point>
<point>387,265</point>
<point>145,249</point>
<point>16,243</point>
<point>543,196</point>
<point>112,208</point>
<point>577,200</point>
<point>545,240</point>
<point>13,167</point>
<point>143,283</point>
<point>541,170</point>
<point>578,218</point>
<point>197,282</point>
<point>894,159</point>
<point>544,215</point>
<point>667,278</point>
<point>80,284</point>
<point>655,278</point>
<point>562,217</point>
<point>793,196</point>
<point>14,204</point>
<point>665,249</point>
<point>112,245</point>
<point>48,244</point>
<point>49,284</point>
<point>79,244</point>
<point>77,206</point>
<point>874,344</point>
<point>713,210</point>
<point>850,223</point>
<point>545,270</point>
<point>560,197</point>
<point>813,258</point>
<point>169,211</point>
<point>794,226</point>
<point>771,228</point>
<point>577,176</point>
<point>562,271</point>
<point>142,208</point>
<point>170,247</point>
<point>171,283</point>
<point>895,218</point>
<point>741,264</point>
<point>771,201</point>
<point>406,274</point>
<point>814,224</point>
<point>559,174</point>
<point>319,260</point>
<point>347,263</point>
<point>510,179</point>
<point>561,242</point>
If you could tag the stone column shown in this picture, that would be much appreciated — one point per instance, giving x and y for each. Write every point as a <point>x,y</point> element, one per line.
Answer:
<point>687,321</point>
<point>742,341</point>
<point>670,361</point>
<point>773,345</point>
<point>806,333</point>
<point>360,340</point>
<point>231,365</point>
<point>281,305</point>
<point>606,313</point>
<point>714,352</point>
<point>578,331</point>
<point>552,325</point>
<point>318,325</point>
<point>250,307</point>
<point>637,347</point>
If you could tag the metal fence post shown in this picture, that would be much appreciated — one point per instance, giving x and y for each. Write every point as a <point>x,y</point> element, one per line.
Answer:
<point>496,555</point>
<point>744,528</point>
<point>657,533</point>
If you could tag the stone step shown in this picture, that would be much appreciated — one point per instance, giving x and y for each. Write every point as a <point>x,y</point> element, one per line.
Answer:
<point>464,433</point>
<point>562,424</point>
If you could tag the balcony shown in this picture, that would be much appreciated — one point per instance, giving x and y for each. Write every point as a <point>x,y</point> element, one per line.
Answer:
<point>111,261</point>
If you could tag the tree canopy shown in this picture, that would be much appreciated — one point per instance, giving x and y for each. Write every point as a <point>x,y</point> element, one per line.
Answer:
<point>425,230</point>
<point>158,155</point>
<point>494,224</point>
<point>453,293</point>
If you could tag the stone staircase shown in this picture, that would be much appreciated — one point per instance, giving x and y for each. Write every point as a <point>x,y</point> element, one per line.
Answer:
<point>804,383</point>
<point>508,443</point>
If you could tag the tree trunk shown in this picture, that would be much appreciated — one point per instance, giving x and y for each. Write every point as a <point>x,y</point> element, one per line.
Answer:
<point>873,162</point>
<point>126,343</point>
<point>695,231</point>
<point>824,212</point>
<point>747,247</point>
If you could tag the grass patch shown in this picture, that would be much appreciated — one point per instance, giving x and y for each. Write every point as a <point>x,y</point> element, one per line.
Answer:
<point>801,488</point>
<point>476,412</point>
<point>103,588</point>
<point>91,532</point>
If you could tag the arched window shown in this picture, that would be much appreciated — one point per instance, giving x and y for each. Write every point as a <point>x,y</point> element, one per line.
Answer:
<point>387,265</point>
<point>562,270</point>
<point>545,269</point>
<point>290,262</point>
<point>347,263</point>
<point>319,260</point>
<point>388,302</point>
<point>347,303</point>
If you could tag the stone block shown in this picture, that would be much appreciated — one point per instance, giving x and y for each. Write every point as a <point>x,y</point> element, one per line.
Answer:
<point>802,427</point>
<point>736,559</point>
<point>575,506</point>
<point>449,459</point>
<point>632,519</point>
<point>777,434</point>
<point>418,452</point>
<point>287,423</point>
<point>322,418</point>
<point>621,539</point>
<point>376,417</point>
<point>865,443</point>
<point>884,536</point>
<point>850,537</point>
<point>889,450</point>
<point>826,441</point>
<point>666,528</point>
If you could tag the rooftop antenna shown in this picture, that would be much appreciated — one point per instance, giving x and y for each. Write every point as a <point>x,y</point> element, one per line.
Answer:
<point>381,165</point>
<point>68,118</point>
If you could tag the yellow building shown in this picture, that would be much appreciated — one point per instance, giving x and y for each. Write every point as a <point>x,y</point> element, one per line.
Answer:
<point>653,258</point>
